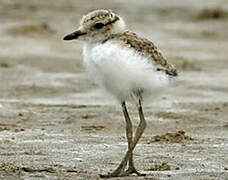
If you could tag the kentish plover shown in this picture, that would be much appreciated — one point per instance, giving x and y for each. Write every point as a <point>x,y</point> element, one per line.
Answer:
<point>128,66</point>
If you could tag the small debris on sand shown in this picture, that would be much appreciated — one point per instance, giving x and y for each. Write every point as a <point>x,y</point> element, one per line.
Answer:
<point>9,167</point>
<point>48,169</point>
<point>4,65</point>
<point>87,116</point>
<point>160,167</point>
<point>183,63</point>
<point>30,29</point>
<point>211,14</point>
<point>176,137</point>
<point>4,128</point>
<point>92,128</point>
<point>170,115</point>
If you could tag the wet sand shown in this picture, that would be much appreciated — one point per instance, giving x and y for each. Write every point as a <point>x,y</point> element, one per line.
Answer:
<point>56,124</point>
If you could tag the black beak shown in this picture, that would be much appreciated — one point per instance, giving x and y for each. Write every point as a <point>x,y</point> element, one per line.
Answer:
<point>73,35</point>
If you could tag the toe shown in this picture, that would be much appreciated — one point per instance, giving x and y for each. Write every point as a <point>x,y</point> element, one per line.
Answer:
<point>134,171</point>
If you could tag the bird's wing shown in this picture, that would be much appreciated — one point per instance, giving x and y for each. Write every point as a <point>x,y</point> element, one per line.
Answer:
<point>146,48</point>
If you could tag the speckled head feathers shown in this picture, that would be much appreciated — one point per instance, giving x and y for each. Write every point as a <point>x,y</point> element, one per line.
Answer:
<point>101,15</point>
<point>98,25</point>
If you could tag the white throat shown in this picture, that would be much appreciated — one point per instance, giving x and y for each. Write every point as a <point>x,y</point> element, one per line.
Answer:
<point>119,26</point>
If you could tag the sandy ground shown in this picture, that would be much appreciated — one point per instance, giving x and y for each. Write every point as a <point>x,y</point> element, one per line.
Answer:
<point>56,124</point>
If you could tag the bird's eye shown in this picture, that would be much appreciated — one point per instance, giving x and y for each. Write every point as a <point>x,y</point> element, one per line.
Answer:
<point>99,25</point>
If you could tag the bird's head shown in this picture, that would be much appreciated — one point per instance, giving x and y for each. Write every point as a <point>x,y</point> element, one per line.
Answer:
<point>98,26</point>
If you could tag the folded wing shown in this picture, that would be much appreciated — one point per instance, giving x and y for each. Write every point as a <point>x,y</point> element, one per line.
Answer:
<point>147,48</point>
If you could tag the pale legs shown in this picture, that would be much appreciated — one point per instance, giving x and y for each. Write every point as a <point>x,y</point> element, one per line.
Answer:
<point>128,158</point>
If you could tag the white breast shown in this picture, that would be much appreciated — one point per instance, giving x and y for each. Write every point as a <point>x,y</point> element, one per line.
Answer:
<point>122,70</point>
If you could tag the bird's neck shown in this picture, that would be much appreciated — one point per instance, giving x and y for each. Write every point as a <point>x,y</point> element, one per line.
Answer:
<point>102,40</point>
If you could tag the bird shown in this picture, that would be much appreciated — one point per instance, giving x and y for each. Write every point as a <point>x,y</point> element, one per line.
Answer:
<point>127,66</point>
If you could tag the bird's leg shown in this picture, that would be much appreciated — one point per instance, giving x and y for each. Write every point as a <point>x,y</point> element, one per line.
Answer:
<point>138,134</point>
<point>120,170</point>
<point>131,168</point>
<point>141,127</point>
<point>129,155</point>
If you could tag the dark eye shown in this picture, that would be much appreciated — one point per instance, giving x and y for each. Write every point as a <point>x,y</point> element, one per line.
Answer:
<point>99,25</point>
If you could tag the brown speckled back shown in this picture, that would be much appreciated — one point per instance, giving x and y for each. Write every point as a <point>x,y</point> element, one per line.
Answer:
<point>147,48</point>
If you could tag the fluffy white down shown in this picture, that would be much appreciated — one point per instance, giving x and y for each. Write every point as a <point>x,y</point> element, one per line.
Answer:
<point>121,70</point>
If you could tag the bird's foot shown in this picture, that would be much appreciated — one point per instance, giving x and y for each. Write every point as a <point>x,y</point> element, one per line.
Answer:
<point>130,170</point>
<point>117,173</point>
